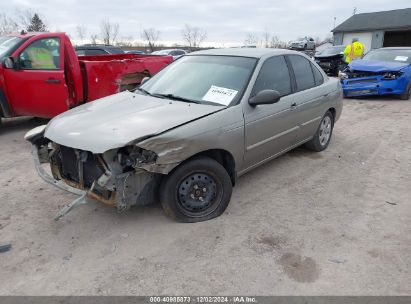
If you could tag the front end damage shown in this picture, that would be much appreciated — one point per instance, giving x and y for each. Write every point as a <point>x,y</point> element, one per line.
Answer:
<point>115,177</point>
<point>365,83</point>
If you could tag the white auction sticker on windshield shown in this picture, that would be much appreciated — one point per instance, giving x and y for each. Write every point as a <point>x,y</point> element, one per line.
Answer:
<point>401,58</point>
<point>220,95</point>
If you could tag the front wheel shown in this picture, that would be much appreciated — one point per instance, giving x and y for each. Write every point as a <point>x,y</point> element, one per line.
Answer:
<point>407,93</point>
<point>198,190</point>
<point>322,137</point>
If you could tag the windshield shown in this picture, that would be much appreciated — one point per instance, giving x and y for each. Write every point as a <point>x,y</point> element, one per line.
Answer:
<point>333,50</point>
<point>218,80</point>
<point>393,55</point>
<point>7,43</point>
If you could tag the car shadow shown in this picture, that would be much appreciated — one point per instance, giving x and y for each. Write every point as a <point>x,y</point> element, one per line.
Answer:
<point>376,98</point>
<point>11,125</point>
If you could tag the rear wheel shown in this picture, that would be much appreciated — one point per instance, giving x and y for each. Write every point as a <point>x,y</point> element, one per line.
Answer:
<point>196,191</point>
<point>322,137</point>
<point>406,95</point>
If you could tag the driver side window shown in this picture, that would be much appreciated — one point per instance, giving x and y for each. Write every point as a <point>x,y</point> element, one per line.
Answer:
<point>42,54</point>
<point>274,75</point>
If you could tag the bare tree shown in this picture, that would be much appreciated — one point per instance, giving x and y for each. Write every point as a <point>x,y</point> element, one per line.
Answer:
<point>109,31</point>
<point>266,38</point>
<point>125,41</point>
<point>150,35</point>
<point>94,38</point>
<point>274,43</point>
<point>7,24</point>
<point>24,17</point>
<point>193,35</point>
<point>81,32</point>
<point>251,39</point>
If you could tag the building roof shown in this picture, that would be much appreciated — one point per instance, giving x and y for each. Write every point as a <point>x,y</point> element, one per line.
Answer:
<point>395,19</point>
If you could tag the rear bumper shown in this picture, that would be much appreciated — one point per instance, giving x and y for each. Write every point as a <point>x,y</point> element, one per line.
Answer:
<point>368,86</point>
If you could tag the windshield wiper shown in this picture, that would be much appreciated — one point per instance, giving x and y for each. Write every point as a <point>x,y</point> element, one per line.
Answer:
<point>144,91</point>
<point>174,97</point>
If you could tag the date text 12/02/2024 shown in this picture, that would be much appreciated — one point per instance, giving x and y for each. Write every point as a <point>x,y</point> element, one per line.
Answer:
<point>202,299</point>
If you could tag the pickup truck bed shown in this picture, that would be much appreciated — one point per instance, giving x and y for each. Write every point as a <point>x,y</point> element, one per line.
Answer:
<point>108,74</point>
<point>41,75</point>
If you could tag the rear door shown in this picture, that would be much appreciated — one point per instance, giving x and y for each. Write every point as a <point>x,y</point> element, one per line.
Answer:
<point>38,87</point>
<point>310,95</point>
<point>270,129</point>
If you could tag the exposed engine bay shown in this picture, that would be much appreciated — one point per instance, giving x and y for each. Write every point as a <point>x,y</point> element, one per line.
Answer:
<point>114,177</point>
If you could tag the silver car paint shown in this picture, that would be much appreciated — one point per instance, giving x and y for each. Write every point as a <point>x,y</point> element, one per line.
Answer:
<point>175,131</point>
<point>119,119</point>
<point>265,132</point>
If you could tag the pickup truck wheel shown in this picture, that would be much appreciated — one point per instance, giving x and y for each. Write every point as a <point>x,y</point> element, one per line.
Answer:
<point>196,191</point>
<point>322,137</point>
<point>406,95</point>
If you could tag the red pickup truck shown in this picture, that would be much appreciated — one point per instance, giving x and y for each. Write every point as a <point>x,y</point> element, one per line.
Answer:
<point>41,75</point>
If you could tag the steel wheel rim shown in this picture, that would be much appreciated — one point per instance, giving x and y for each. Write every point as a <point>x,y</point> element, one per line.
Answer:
<point>198,194</point>
<point>325,130</point>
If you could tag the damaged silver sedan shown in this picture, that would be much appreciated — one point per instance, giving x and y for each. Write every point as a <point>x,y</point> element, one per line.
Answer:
<point>185,135</point>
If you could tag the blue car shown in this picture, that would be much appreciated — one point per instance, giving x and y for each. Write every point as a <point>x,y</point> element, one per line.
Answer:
<point>383,71</point>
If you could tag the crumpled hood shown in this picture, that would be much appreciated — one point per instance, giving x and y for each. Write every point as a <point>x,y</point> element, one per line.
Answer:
<point>114,121</point>
<point>377,66</point>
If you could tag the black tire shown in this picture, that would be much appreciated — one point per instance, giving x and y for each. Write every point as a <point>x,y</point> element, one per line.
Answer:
<point>316,143</point>
<point>407,94</point>
<point>197,190</point>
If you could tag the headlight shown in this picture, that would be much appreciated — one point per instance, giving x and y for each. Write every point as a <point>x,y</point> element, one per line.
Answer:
<point>391,75</point>
<point>35,132</point>
<point>342,75</point>
<point>133,156</point>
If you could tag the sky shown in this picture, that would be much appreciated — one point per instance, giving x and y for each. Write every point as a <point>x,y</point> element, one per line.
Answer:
<point>227,22</point>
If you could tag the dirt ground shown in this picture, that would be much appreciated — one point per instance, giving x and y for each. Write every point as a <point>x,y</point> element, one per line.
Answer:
<point>330,223</point>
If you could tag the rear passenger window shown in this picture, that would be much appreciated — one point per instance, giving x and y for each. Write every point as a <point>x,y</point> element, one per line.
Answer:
<point>303,73</point>
<point>274,75</point>
<point>318,77</point>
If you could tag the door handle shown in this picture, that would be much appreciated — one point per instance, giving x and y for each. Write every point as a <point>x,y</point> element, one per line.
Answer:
<point>293,105</point>
<point>52,80</point>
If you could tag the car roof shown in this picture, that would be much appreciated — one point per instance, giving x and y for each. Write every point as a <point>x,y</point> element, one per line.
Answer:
<point>170,50</point>
<point>96,46</point>
<point>395,48</point>
<point>246,52</point>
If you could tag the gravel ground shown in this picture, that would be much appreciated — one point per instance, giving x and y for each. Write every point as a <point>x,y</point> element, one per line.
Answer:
<point>330,223</point>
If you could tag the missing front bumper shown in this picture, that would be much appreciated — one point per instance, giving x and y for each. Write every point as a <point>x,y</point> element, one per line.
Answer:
<point>136,187</point>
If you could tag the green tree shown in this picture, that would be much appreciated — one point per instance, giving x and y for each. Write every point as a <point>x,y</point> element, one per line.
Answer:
<point>36,24</point>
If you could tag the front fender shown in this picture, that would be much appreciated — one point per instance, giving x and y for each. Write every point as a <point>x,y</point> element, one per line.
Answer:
<point>223,130</point>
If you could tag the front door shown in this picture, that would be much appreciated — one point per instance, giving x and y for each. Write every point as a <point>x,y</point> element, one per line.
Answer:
<point>38,87</point>
<point>270,129</point>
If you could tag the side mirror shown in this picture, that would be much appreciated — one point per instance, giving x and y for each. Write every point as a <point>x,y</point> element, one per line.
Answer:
<point>265,97</point>
<point>144,80</point>
<point>8,63</point>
